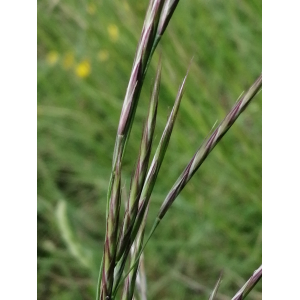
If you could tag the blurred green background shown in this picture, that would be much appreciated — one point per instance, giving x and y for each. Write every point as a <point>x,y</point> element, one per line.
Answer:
<point>85,55</point>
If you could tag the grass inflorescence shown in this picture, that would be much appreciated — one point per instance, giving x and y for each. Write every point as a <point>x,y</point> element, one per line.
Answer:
<point>81,135</point>
<point>119,241</point>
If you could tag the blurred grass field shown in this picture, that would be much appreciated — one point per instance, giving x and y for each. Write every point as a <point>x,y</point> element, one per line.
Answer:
<point>85,55</point>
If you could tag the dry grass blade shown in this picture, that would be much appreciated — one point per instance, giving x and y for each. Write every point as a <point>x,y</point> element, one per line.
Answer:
<point>215,290</point>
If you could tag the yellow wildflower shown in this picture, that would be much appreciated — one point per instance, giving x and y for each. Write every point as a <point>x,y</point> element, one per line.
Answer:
<point>103,55</point>
<point>83,69</point>
<point>91,8</point>
<point>52,58</point>
<point>113,32</point>
<point>68,60</point>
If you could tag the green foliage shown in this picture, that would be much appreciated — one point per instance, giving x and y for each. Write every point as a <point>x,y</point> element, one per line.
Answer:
<point>85,55</point>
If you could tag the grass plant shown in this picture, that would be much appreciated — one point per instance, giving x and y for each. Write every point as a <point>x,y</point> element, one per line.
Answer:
<point>124,262</point>
<point>118,241</point>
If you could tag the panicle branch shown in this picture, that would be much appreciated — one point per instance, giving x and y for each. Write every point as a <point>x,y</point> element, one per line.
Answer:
<point>208,146</point>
